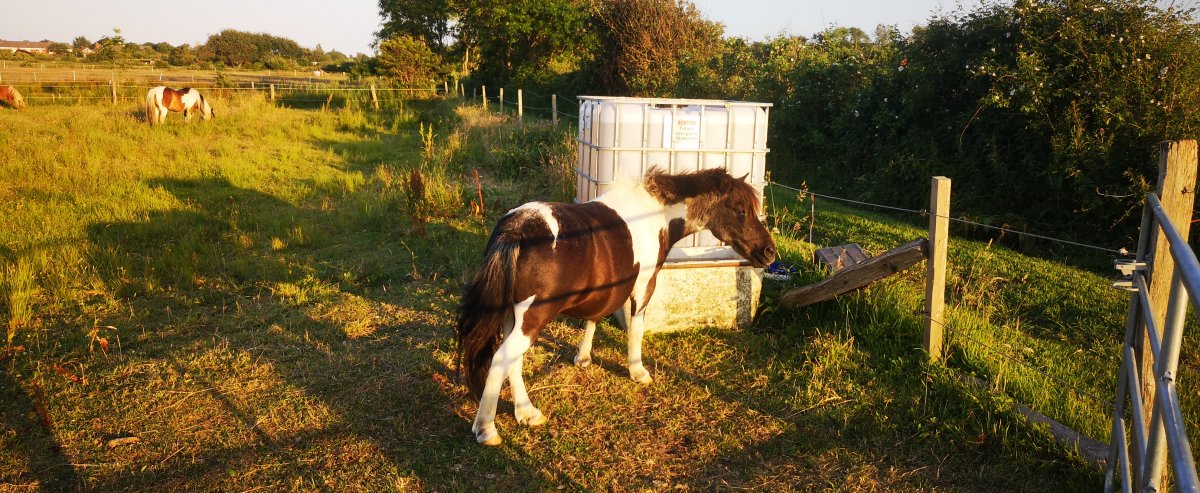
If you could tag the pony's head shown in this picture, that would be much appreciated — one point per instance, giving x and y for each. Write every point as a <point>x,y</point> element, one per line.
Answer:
<point>726,206</point>
<point>733,219</point>
<point>206,110</point>
<point>12,97</point>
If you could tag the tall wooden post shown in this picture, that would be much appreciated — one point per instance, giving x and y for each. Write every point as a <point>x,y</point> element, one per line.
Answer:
<point>114,91</point>
<point>554,109</point>
<point>520,106</point>
<point>935,271</point>
<point>1176,190</point>
<point>484,98</point>
<point>272,92</point>
<point>501,103</point>
<point>446,88</point>
<point>374,97</point>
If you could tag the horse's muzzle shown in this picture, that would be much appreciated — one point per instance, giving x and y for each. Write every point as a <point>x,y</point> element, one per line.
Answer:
<point>758,257</point>
<point>764,256</point>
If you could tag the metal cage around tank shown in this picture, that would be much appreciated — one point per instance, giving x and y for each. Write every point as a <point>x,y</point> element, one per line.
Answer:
<point>622,138</point>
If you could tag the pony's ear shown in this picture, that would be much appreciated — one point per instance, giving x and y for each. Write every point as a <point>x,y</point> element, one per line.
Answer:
<point>743,178</point>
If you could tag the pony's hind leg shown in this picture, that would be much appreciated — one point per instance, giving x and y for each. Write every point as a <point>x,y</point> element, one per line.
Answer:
<point>506,360</point>
<point>584,357</point>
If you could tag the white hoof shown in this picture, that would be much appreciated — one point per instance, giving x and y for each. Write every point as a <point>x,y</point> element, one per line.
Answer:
<point>487,434</point>
<point>581,360</point>
<point>640,375</point>
<point>531,416</point>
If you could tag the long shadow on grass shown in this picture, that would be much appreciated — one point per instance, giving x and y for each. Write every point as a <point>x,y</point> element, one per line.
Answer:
<point>20,414</point>
<point>886,420</point>
<point>879,418</point>
<point>208,291</point>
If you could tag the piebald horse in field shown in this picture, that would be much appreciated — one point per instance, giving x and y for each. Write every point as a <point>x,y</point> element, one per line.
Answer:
<point>587,261</point>
<point>161,100</point>
<point>10,96</point>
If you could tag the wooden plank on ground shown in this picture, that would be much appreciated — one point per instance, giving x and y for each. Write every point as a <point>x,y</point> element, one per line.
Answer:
<point>840,257</point>
<point>857,276</point>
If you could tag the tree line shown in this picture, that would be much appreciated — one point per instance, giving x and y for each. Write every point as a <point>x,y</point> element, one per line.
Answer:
<point>229,48</point>
<point>1046,113</point>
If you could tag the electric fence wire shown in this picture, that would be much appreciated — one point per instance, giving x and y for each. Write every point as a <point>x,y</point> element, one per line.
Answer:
<point>922,212</point>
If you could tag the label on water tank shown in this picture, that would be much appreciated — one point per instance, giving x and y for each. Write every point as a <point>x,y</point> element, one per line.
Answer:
<point>684,131</point>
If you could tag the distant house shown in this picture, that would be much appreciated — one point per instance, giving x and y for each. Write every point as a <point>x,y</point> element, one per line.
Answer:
<point>25,46</point>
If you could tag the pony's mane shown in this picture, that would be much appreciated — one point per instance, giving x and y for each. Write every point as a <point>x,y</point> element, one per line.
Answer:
<point>673,189</point>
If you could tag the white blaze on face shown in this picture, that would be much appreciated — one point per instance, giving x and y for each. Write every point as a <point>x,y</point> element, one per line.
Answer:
<point>544,211</point>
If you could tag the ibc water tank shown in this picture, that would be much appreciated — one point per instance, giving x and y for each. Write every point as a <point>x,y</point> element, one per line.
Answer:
<point>626,137</point>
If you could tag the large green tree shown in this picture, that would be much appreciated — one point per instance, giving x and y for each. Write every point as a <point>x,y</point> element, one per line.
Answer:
<point>645,45</point>
<point>425,20</point>
<point>525,41</point>
<point>408,61</point>
<point>237,48</point>
<point>81,42</point>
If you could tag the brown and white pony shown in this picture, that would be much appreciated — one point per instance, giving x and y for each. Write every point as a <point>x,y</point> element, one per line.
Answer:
<point>161,100</point>
<point>587,261</point>
<point>9,95</point>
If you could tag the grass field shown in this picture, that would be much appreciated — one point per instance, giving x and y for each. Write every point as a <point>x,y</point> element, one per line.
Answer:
<point>266,301</point>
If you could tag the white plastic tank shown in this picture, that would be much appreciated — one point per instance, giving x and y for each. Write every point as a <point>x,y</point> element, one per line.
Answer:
<point>626,137</point>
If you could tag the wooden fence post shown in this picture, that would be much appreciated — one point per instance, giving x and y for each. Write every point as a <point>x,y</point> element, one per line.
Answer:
<point>484,98</point>
<point>272,91</point>
<point>1176,190</point>
<point>554,109</point>
<point>374,97</point>
<point>520,106</point>
<point>935,271</point>
<point>501,104</point>
<point>114,91</point>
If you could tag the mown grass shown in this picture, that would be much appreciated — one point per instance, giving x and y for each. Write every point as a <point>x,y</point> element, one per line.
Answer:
<point>254,300</point>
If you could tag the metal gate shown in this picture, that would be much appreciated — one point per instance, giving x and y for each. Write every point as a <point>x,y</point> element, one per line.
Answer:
<point>1166,431</point>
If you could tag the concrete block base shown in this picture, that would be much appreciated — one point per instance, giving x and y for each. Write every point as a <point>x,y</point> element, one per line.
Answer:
<point>696,294</point>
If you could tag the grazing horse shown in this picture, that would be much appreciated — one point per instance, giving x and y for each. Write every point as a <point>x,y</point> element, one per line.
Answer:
<point>587,261</point>
<point>9,95</point>
<point>162,99</point>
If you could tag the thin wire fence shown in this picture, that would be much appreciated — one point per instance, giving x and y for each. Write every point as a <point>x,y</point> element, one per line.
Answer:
<point>923,212</point>
<point>325,92</point>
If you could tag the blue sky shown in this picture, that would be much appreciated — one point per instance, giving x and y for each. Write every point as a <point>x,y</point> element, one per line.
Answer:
<point>349,25</point>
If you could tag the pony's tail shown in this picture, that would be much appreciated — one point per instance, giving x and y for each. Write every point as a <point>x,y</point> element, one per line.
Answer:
<point>151,111</point>
<point>486,302</point>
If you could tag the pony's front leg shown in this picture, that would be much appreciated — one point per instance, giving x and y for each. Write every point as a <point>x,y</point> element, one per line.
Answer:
<point>523,408</point>
<point>636,329</point>
<point>584,357</point>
